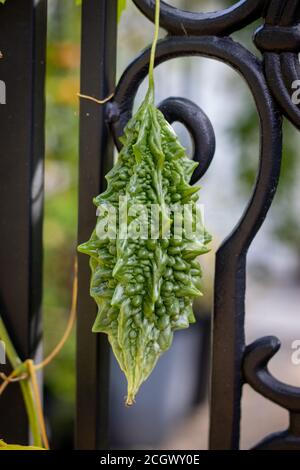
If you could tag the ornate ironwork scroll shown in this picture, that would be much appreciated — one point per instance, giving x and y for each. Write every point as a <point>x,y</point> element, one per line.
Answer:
<point>270,82</point>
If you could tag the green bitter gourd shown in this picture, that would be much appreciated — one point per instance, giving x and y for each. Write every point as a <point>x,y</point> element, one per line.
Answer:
<point>144,288</point>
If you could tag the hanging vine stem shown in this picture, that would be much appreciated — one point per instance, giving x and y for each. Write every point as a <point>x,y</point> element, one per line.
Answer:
<point>25,372</point>
<point>154,45</point>
<point>95,100</point>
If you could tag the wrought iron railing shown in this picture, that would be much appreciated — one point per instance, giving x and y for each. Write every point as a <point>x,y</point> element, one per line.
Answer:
<point>270,82</point>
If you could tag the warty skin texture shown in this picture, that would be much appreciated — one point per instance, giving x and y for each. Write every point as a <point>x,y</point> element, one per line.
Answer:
<point>145,289</point>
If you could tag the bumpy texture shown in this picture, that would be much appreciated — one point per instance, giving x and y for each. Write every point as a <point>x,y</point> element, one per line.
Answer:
<point>144,288</point>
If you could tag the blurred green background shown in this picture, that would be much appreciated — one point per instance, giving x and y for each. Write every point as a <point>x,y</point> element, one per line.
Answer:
<point>60,226</point>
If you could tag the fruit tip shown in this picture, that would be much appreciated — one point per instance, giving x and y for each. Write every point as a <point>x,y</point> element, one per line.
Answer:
<point>130,401</point>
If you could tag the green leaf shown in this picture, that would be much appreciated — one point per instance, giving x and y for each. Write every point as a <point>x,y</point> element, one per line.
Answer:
<point>121,8</point>
<point>3,445</point>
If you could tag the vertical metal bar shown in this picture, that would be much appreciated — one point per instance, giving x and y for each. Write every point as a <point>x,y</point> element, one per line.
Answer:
<point>98,64</point>
<point>228,347</point>
<point>22,68</point>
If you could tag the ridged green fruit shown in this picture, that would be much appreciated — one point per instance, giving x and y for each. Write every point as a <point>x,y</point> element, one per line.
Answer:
<point>144,288</point>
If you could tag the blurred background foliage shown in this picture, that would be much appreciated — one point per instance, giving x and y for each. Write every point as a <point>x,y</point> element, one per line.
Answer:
<point>63,61</point>
<point>60,226</point>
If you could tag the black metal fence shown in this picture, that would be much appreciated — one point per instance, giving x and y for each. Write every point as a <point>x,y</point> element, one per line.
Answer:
<point>270,80</point>
<point>23,29</point>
